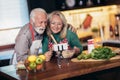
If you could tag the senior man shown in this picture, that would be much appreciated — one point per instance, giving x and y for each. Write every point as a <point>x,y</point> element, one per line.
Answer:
<point>29,38</point>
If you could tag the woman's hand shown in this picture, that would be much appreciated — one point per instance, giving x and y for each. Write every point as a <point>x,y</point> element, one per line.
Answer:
<point>76,49</point>
<point>48,55</point>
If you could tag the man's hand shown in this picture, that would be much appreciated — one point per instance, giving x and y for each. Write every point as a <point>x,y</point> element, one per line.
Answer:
<point>48,55</point>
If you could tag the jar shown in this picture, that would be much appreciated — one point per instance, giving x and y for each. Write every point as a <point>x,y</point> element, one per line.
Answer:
<point>90,45</point>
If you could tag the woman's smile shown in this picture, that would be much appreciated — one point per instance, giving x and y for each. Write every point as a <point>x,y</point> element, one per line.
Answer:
<point>56,24</point>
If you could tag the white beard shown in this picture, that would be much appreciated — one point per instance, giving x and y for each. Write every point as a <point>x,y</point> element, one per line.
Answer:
<point>39,30</point>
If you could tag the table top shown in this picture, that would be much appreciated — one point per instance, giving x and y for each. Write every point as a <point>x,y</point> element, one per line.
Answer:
<point>53,72</point>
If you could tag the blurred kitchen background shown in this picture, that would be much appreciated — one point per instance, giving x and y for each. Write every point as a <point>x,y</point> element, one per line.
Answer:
<point>98,19</point>
<point>91,18</point>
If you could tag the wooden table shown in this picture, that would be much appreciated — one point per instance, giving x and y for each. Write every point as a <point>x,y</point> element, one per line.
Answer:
<point>52,72</point>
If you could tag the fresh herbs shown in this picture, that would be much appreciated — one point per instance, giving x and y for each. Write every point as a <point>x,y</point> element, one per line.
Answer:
<point>98,53</point>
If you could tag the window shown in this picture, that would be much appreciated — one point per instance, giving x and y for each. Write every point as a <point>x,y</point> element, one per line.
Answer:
<point>13,15</point>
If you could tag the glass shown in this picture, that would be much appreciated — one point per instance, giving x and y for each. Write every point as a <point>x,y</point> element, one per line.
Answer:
<point>98,42</point>
<point>63,58</point>
<point>117,27</point>
<point>116,32</point>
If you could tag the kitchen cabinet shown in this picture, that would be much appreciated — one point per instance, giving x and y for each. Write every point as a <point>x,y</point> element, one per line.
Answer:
<point>51,5</point>
<point>48,5</point>
<point>113,2</point>
<point>77,4</point>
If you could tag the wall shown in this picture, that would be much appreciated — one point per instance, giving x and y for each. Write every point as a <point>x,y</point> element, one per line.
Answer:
<point>13,13</point>
<point>101,16</point>
<point>48,5</point>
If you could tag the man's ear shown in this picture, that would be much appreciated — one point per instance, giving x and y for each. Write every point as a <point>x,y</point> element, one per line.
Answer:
<point>31,21</point>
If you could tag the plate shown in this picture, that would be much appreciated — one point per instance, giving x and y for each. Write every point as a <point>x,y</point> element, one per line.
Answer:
<point>70,3</point>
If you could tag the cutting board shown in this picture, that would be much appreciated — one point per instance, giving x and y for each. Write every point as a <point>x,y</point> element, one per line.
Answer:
<point>94,60</point>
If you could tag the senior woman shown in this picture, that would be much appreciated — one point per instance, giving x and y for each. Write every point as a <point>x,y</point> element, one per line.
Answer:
<point>57,26</point>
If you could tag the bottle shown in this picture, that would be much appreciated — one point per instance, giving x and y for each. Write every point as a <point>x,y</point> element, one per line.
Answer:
<point>111,31</point>
<point>116,31</point>
<point>90,45</point>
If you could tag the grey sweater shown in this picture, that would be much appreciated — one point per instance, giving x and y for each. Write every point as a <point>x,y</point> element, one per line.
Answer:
<point>23,42</point>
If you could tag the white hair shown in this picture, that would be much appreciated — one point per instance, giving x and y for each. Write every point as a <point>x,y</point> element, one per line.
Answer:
<point>32,14</point>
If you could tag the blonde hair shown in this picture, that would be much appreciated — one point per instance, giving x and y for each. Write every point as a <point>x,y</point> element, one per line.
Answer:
<point>64,21</point>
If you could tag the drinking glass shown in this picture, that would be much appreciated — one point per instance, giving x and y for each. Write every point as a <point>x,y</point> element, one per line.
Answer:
<point>64,57</point>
